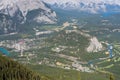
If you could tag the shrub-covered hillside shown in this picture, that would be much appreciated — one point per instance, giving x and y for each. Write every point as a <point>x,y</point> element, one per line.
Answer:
<point>11,70</point>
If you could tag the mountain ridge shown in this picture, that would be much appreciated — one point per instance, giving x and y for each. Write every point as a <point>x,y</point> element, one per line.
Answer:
<point>11,8</point>
<point>91,6</point>
<point>13,13</point>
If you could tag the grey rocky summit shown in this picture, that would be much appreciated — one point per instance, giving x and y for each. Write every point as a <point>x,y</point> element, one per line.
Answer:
<point>14,12</point>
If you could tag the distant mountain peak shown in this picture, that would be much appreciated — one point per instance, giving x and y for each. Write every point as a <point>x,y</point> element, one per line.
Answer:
<point>83,1</point>
<point>11,7</point>
<point>92,6</point>
<point>16,12</point>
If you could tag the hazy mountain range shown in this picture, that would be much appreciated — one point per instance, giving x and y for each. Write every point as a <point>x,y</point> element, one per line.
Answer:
<point>92,6</point>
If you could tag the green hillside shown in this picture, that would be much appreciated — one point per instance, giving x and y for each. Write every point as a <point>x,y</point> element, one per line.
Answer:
<point>63,74</point>
<point>11,70</point>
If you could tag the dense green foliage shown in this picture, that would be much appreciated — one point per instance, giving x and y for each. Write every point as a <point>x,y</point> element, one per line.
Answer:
<point>11,70</point>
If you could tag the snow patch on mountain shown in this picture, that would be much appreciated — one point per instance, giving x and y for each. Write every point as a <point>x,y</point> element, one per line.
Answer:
<point>92,6</point>
<point>83,1</point>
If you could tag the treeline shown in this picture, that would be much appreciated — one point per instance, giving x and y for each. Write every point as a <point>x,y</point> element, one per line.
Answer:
<point>11,70</point>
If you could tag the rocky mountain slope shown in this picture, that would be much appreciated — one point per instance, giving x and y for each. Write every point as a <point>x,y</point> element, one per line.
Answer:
<point>15,12</point>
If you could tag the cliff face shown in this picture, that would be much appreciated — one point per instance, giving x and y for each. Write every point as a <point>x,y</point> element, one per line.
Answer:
<point>16,12</point>
<point>94,45</point>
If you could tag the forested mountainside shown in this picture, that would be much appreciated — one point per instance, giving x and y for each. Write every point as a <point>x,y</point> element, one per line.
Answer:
<point>11,70</point>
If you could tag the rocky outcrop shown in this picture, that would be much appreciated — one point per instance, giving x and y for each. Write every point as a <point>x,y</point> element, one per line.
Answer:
<point>94,45</point>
